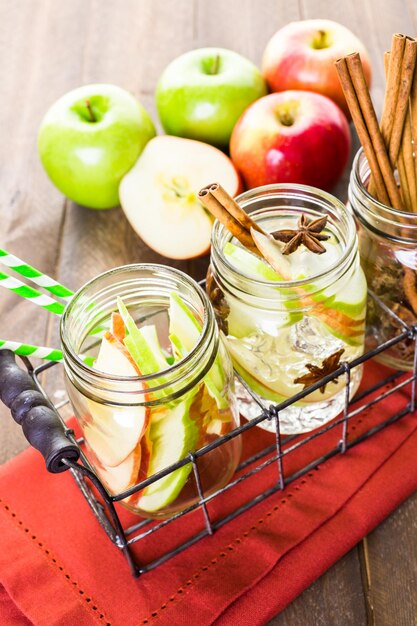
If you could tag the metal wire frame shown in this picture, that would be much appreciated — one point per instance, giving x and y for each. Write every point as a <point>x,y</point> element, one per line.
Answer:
<point>103,505</point>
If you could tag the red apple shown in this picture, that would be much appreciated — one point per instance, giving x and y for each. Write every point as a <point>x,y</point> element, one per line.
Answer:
<point>302,54</point>
<point>291,137</point>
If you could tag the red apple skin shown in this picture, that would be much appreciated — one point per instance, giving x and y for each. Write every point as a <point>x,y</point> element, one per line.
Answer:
<point>290,60</point>
<point>313,150</point>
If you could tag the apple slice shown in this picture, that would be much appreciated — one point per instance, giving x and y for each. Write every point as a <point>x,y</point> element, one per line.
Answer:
<point>159,195</point>
<point>172,437</point>
<point>117,327</point>
<point>271,251</point>
<point>124,475</point>
<point>338,321</point>
<point>241,320</point>
<point>114,431</point>
<point>185,331</point>
<point>244,261</point>
<point>142,344</point>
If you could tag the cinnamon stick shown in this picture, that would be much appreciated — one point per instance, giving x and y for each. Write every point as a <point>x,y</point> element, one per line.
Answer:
<point>355,69</point>
<point>413,125</point>
<point>407,158</point>
<point>407,74</point>
<point>410,288</point>
<point>404,184</point>
<point>361,128</point>
<point>233,208</point>
<point>393,63</point>
<point>219,211</point>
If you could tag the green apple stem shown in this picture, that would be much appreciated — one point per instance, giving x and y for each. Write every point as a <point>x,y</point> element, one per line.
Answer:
<point>90,111</point>
<point>215,66</point>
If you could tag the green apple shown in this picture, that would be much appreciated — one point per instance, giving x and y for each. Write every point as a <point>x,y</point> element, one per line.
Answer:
<point>89,139</point>
<point>202,94</point>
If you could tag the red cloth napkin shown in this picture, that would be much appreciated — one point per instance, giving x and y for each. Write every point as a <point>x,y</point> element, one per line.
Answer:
<point>57,566</point>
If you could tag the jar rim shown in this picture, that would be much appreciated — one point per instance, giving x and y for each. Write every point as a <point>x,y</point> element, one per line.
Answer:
<point>282,190</point>
<point>397,214</point>
<point>205,334</point>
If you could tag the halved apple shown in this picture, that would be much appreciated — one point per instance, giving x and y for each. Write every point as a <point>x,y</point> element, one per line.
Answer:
<point>159,195</point>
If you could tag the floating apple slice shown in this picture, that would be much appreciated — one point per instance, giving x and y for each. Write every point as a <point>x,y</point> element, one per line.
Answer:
<point>241,320</point>
<point>172,437</point>
<point>159,194</point>
<point>336,318</point>
<point>117,327</point>
<point>244,261</point>
<point>142,344</point>
<point>124,475</point>
<point>185,331</point>
<point>114,431</point>
<point>271,251</point>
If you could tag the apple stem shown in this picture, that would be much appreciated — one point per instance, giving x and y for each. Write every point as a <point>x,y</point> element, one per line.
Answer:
<point>320,40</point>
<point>90,111</point>
<point>215,65</point>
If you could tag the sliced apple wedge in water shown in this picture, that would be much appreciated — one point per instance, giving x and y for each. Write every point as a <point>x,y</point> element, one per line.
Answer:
<point>117,327</point>
<point>159,195</point>
<point>185,330</point>
<point>341,324</point>
<point>244,261</point>
<point>113,432</point>
<point>124,475</point>
<point>241,320</point>
<point>172,436</point>
<point>142,344</point>
<point>271,251</point>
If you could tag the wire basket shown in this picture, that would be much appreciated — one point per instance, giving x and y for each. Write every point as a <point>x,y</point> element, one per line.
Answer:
<point>68,454</point>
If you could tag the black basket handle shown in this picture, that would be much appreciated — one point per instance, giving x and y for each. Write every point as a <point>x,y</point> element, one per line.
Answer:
<point>41,424</point>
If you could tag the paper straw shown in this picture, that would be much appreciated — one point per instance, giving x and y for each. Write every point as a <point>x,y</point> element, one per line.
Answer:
<point>37,277</point>
<point>24,291</point>
<point>48,354</point>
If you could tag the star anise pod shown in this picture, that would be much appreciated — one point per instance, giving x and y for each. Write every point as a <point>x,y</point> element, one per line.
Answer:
<point>315,373</point>
<point>308,233</point>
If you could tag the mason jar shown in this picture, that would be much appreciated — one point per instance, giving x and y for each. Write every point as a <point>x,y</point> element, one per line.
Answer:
<point>278,331</point>
<point>135,426</point>
<point>388,248</point>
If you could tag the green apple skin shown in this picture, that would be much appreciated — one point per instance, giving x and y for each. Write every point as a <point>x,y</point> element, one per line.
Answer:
<point>202,93</point>
<point>86,159</point>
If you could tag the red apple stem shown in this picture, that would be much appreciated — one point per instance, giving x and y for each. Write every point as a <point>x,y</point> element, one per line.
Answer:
<point>320,40</point>
<point>90,111</point>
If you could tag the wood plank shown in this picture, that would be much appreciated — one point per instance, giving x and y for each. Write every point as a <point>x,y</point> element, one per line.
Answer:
<point>393,565</point>
<point>40,55</point>
<point>334,599</point>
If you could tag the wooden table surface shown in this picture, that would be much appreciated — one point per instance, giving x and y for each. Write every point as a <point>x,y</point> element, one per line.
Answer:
<point>49,47</point>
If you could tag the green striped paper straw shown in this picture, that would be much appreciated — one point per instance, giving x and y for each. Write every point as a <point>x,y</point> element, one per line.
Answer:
<point>24,291</point>
<point>37,277</point>
<point>47,354</point>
